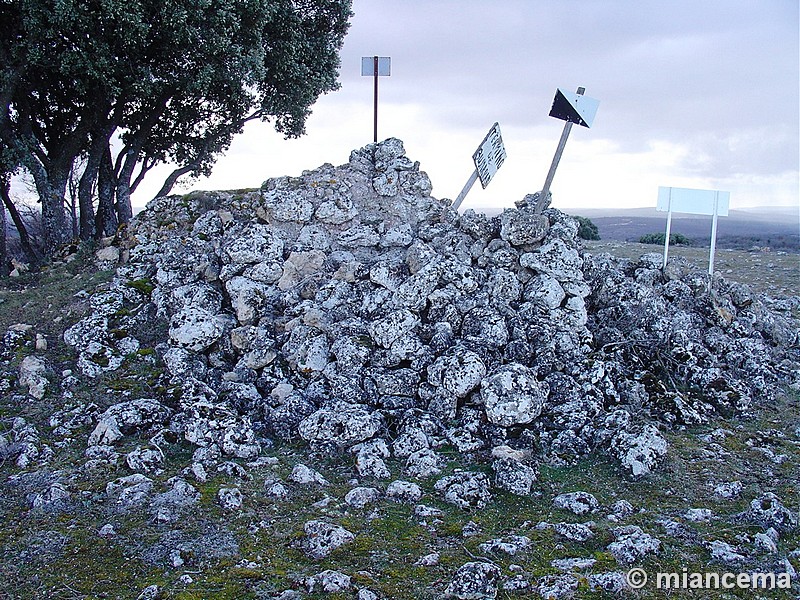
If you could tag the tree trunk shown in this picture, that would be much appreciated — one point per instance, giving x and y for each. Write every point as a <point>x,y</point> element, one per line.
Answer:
<point>31,255</point>
<point>86,192</point>
<point>4,259</point>
<point>173,177</point>
<point>51,186</point>
<point>124,209</point>
<point>106,219</point>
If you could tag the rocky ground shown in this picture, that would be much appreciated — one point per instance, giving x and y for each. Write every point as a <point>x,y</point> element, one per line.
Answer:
<point>336,386</point>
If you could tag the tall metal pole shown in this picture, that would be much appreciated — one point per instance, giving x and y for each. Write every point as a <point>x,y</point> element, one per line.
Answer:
<point>375,128</point>
<point>540,205</point>
<point>713,241</point>
<point>669,225</point>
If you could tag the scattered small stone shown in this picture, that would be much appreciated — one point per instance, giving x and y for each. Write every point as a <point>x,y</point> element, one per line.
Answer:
<point>613,582</point>
<point>511,545</point>
<point>474,580</point>
<point>768,511</point>
<point>621,509</point>
<point>405,492</point>
<point>698,515</point>
<point>230,498</point>
<point>429,560</point>
<point>329,582</point>
<point>305,475</point>
<point>576,532</point>
<point>359,497</point>
<point>729,490</point>
<point>322,538</point>
<point>555,587</point>
<point>423,511</point>
<point>724,552</point>
<point>578,503</point>
<point>151,592</point>
<point>632,544</point>
<point>465,489</point>
<point>471,529</point>
<point>573,564</point>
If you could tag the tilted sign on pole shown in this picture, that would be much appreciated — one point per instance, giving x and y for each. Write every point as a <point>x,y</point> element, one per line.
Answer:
<point>490,155</point>
<point>488,158</point>
<point>694,202</point>
<point>376,66</point>
<point>572,108</point>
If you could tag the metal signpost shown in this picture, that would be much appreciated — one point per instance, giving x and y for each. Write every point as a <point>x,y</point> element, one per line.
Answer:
<point>695,202</point>
<point>376,66</point>
<point>487,158</point>
<point>572,108</point>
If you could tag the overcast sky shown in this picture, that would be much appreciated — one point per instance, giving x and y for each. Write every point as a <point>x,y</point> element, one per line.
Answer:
<point>693,93</point>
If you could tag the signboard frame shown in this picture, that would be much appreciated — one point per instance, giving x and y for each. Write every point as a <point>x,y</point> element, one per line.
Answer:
<point>693,201</point>
<point>488,158</point>
<point>490,155</point>
<point>376,66</point>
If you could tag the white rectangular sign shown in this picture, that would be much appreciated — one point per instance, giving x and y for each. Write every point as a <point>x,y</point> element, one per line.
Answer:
<point>694,202</point>
<point>490,155</point>
<point>384,66</point>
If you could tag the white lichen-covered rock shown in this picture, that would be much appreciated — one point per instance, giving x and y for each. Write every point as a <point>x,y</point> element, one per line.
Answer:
<point>230,498</point>
<point>145,460</point>
<point>555,258</point>
<point>725,553</point>
<point>196,329</point>
<point>769,512</point>
<point>328,582</point>
<point>511,545</point>
<point>405,492</point>
<point>305,475</point>
<point>359,497</point>
<point>343,425</point>
<point>556,587</point>
<point>459,373</point>
<point>128,417</point>
<point>32,372</point>
<point>639,453</point>
<point>632,544</point>
<point>392,327</point>
<point>251,243</point>
<point>579,503</point>
<point>423,463</point>
<point>322,538</point>
<point>522,227</point>
<point>130,491</point>
<point>465,489</point>
<point>474,581</point>
<point>513,395</point>
<point>248,298</point>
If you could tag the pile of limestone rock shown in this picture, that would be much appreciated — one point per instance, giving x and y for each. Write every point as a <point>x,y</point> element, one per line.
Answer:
<point>350,309</point>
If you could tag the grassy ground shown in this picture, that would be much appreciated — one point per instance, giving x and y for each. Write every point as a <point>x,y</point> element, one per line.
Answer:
<point>56,552</point>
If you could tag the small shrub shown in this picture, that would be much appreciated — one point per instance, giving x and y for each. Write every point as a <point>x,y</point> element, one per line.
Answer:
<point>675,239</point>
<point>586,229</point>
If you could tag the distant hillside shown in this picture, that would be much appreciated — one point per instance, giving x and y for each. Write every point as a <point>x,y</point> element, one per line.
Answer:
<point>774,227</point>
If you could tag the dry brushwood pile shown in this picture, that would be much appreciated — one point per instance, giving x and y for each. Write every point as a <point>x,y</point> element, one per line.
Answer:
<point>351,313</point>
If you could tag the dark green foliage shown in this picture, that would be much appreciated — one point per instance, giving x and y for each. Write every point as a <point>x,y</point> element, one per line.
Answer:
<point>675,239</point>
<point>586,229</point>
<point>174,80</point>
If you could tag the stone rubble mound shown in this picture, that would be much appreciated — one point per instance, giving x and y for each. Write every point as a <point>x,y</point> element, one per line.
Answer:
<point>349,308</point>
